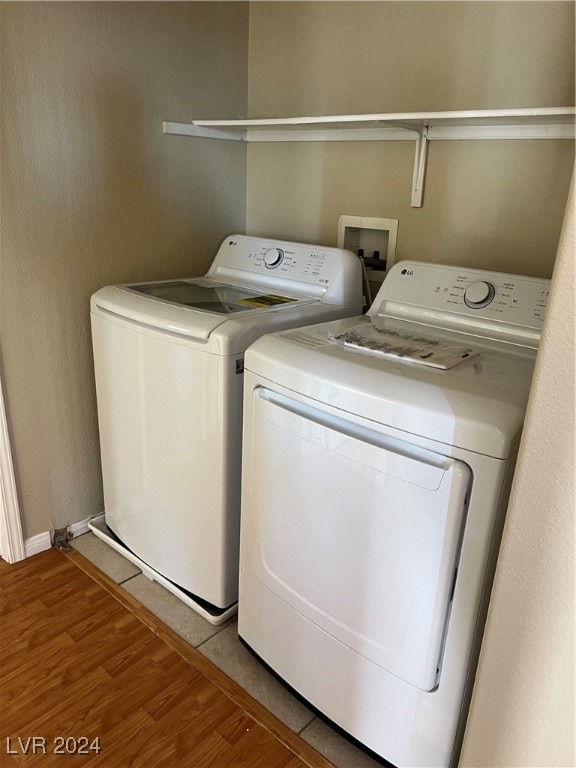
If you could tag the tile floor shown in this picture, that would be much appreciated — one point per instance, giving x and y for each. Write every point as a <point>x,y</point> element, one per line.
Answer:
<point>222,646</point>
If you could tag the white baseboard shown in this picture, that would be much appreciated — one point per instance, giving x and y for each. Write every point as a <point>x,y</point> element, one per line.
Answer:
<point>43,541</point>
<point>38,543</point>
<point>77,529</point>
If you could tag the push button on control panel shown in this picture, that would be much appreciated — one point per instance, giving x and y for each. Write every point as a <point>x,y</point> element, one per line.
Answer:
<point>273,257</point>
<point>479,294</point>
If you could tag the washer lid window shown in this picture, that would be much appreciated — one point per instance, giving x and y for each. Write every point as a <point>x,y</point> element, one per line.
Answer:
<point>217,297</point>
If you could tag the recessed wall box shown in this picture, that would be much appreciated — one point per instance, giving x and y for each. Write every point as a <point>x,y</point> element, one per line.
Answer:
<point>372,238</point>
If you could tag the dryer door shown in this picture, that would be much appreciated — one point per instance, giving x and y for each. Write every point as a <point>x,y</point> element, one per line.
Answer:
<point>357,531</point>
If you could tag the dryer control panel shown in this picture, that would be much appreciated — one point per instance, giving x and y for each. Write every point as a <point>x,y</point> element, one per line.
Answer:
<point>465,299</point>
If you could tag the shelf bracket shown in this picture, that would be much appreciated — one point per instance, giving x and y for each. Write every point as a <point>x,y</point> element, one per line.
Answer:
<point>419,167</point>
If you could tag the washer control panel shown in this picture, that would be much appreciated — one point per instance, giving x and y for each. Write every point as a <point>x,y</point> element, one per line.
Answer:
<point>297,262</point>
<point>331,274</point>
<point>473,292</point>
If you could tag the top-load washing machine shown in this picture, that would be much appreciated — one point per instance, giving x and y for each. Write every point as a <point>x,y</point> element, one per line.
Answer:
<point>169,360</point>
<point>378,458</point>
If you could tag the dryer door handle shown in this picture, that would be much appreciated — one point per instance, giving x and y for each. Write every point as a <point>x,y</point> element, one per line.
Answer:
<point>433,466</point>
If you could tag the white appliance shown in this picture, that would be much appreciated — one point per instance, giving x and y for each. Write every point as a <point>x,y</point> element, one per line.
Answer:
<point>168,360</point>
<point>378,457</point>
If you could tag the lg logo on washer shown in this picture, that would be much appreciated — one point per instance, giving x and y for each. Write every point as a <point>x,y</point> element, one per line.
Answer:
<point>407,272</point>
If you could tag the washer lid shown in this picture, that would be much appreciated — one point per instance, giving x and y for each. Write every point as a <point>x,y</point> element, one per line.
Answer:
<point>190,308</point>
<point>209,296</point>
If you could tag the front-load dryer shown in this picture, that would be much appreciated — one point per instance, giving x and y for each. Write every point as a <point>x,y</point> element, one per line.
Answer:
<point>169,361</point>
<point>378,458</point>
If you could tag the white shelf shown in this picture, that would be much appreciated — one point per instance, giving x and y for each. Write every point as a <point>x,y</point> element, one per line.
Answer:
<point>420,127</point>
<point>554,122</point>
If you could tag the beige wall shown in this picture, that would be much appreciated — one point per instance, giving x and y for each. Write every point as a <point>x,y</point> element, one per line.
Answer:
<point>492,204</point>
<point>522,712</point>
<point>93,193</point>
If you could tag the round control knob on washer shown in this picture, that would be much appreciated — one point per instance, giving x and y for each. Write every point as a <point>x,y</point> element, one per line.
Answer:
<point>273,257</point>
<point>479,294</point>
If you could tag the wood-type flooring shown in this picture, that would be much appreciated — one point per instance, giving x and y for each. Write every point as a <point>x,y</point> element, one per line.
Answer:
<point>102,683</point>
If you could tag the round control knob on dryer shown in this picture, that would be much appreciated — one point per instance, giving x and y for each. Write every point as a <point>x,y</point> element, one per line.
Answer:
<point>273,257</point>
<point>479,294</point>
